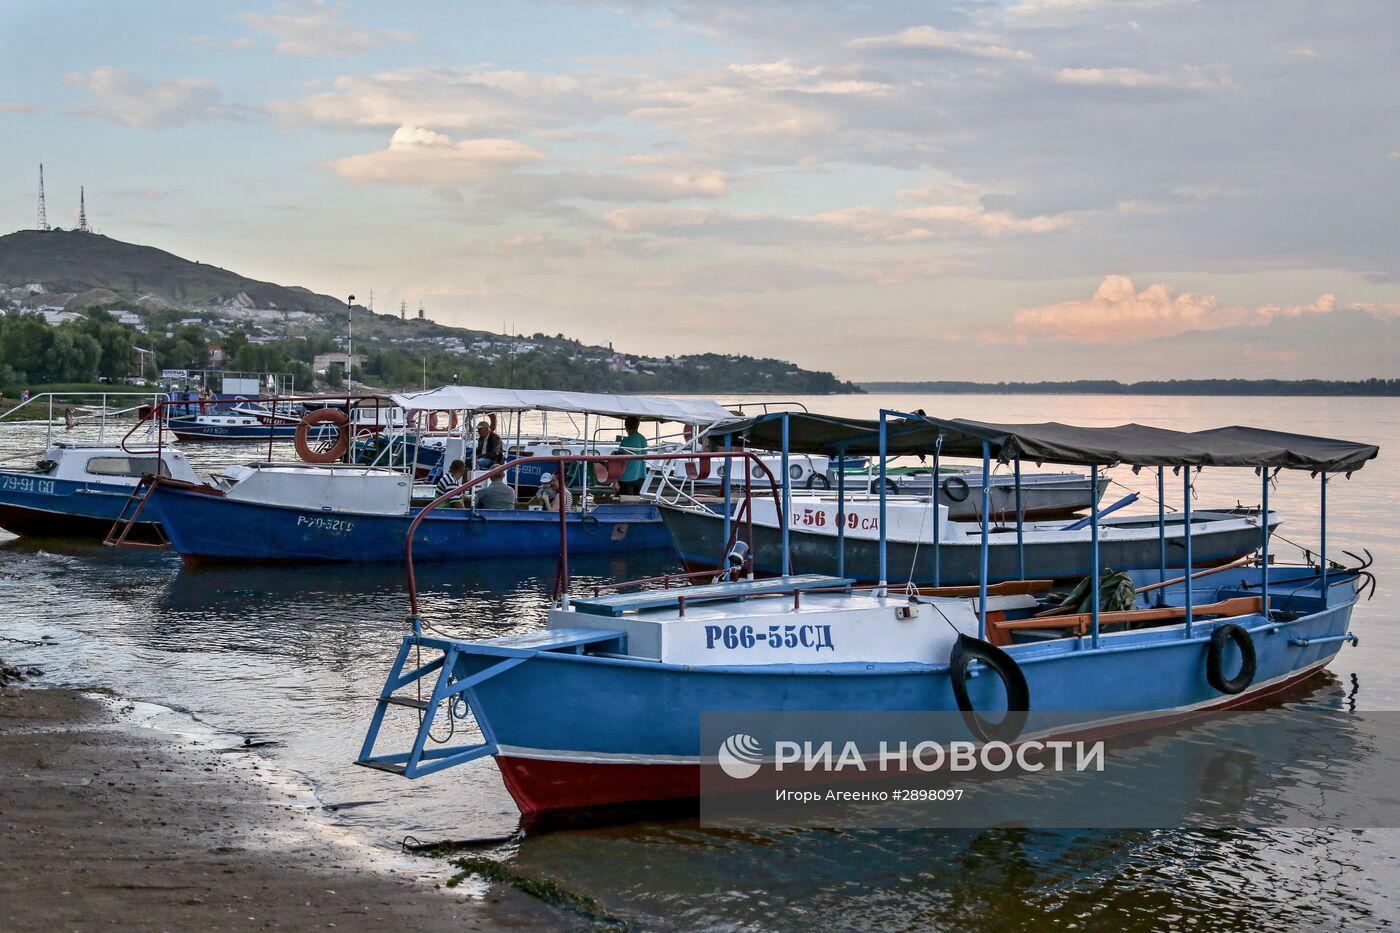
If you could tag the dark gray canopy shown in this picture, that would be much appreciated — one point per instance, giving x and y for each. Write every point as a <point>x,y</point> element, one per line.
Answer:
<point>1052,442</point>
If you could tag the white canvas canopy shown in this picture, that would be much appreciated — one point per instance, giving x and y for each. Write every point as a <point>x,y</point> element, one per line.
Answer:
<point>646,407</point>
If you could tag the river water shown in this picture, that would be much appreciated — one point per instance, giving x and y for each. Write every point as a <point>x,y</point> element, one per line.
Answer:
<point>293,657</point>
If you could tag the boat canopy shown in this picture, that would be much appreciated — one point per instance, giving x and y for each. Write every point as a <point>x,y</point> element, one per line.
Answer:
<point>645,407</point>
<point>1052,442</point>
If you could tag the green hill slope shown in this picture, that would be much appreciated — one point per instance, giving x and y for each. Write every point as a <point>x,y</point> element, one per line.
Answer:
<point>70,263</point>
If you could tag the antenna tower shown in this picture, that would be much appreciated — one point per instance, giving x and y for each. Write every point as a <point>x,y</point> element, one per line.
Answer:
<point>82,211</point>
<point>43,212</point>
<point>403,310</point>
<point>420,310</point>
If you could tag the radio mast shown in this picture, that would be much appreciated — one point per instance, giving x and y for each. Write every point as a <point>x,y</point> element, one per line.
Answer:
<point>43,212</point>
<point>82,211</point>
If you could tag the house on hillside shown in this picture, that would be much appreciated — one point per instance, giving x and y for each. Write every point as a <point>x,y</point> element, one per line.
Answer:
<point>324,361</point>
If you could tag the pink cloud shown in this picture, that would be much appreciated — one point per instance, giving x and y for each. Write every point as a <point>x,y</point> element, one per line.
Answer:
<point>1119,312</point>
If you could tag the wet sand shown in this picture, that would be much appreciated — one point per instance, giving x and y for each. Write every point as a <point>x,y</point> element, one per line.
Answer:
<point>105,825</point>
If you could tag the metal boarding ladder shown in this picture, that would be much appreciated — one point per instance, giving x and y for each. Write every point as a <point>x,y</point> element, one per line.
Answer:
<point>508,652</point>
<point>124,524</point>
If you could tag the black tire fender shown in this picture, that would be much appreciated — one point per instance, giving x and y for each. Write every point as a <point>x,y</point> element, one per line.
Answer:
<point>1215,659</point>
<point>963,490</point>
<point>1018,693</point>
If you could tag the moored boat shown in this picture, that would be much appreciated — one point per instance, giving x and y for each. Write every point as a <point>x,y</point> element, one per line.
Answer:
<point>641,668</point>
<point>950,555</point>
<point>79,491</point>
<point>292,512</point>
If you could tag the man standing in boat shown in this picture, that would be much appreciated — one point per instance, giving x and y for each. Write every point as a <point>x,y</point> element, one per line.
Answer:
<point>630,483</point>
<point>489,451</point>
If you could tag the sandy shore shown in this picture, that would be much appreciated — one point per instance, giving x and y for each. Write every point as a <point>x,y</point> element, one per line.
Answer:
<point>104,825</point>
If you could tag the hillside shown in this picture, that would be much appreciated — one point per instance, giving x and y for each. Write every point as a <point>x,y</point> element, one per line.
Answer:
<point>90,269</point>
<point>186,308</point>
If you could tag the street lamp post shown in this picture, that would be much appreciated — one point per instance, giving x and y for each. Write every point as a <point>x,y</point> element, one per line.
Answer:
<point>350,347</point>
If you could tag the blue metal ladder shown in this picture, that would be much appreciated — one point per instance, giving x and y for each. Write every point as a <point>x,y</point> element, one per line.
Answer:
<point>509,652</point>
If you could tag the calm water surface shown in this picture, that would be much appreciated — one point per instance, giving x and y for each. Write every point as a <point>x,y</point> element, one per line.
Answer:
<point>294,656</point>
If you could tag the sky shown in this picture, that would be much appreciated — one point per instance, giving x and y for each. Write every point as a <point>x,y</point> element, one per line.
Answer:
<point>1019,190</point>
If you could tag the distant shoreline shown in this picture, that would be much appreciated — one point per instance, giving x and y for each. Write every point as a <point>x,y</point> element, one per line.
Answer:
<point>1227,387</point>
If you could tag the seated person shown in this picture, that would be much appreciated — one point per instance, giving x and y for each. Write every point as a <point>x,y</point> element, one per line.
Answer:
<point>551,493</point>
<point>496,495</point>
<point>454,476</point>
<point>489,450</point>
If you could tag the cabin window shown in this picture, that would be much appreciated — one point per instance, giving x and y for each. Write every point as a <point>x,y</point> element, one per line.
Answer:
<point>561,451</point>
<point>126,466</point>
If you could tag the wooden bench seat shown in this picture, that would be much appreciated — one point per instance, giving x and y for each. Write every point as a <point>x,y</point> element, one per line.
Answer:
<point>999,630</point>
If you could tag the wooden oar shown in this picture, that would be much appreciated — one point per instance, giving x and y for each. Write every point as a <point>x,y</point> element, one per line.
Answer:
<point>1197,575</point>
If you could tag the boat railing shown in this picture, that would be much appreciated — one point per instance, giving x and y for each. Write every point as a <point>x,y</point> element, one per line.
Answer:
<point>158,414</point>
<point>56,408</point>
<point>768,406</point>
<point>485,476</point>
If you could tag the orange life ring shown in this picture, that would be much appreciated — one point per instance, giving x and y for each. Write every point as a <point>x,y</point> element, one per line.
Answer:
<point>435,424</point>
<point>323,416</point>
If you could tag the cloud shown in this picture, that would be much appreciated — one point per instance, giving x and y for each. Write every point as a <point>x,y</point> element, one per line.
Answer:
<point>418,156</point>
<point>1118,312</point>
<point>1190,78</point>
<point>535,189</point>
<point>747,275</point>
<point>17,108</point>
<point>754,106</point>
<point>555,247</point>
<point>939,212</point>
<point>319,28</point>
<point>1061,9</point>
<point>445,99</point>
<point>125,97</point>
<point>929,39</point>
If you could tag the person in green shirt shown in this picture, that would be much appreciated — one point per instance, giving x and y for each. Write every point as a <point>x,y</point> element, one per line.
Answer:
<point>630,483</point>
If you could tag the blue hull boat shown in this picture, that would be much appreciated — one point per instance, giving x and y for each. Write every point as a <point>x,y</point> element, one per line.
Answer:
<point>604,749</point>
<point>233,427</point>
<point>205,526</point>
<point>79,492</point>
<point>641,669</point>
<point>37,507</point>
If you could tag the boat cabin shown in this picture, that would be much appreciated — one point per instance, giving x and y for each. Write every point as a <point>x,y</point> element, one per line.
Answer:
<point>113,465</point>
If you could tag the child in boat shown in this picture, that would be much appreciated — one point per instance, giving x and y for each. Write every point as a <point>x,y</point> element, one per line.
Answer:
<point>550,492</point>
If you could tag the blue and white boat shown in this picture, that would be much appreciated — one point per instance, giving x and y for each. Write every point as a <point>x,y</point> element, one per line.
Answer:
<point>79,491</point>
<point>640,669</point>
<point>274,512</point>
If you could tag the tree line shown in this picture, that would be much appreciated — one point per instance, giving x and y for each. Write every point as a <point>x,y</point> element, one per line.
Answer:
<point>98,348</point>
<point>1314,387</point>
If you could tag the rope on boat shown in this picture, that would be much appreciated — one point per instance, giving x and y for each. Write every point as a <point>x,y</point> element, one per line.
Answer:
<point>1114,482</point>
